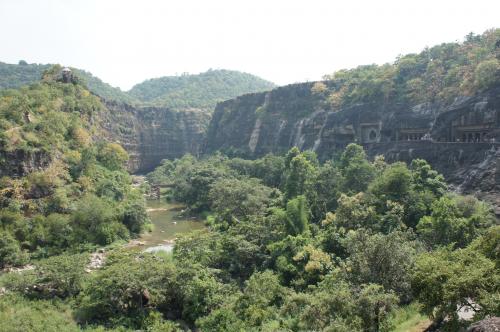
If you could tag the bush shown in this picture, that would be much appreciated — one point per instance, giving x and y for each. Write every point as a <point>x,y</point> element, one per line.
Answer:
<point>59,276</point>
<point>95,221</point>
<point>127,287</point>
<point>10,251</point>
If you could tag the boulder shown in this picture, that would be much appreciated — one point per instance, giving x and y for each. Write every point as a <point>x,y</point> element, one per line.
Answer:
<point>486,325</point>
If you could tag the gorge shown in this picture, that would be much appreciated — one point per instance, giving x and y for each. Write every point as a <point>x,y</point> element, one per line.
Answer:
<point>461,139</point>
<point>345,204</point>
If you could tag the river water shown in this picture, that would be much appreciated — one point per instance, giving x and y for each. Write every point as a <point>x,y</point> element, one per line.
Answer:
<point>168,221</point>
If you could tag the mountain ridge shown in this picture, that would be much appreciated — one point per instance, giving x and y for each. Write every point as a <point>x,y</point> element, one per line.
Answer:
<point>185,91</point>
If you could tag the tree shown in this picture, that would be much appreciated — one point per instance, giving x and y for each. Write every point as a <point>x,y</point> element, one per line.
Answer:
<point>297,213</point>
<point>425,178</point>
<point>299,177</point>
<point>10,251</point>
<point>445,280</point>
<point>357,172</point>
<point>319,88</point>
<point>135,215</point>
<point>325,191</point>
<point>282,257</point>
<point>393,184</point>
<point>240,198</point>
<point>95,221</point>
<point>162,174</point>
<point>18,313</point>
<point>487,73</point>
<point>381,259</point>
<point>252,309</point>
<point>128,286</point>
<point>193,181</point>
<point>201,292</point>
<point>353,212</point>
<point>60,276</point>
<point>270,169</point>
<point>455,220</point>
<point>263,294</point>
<point>314,264</point>
<point>112,156</point>
<point>374,305</point>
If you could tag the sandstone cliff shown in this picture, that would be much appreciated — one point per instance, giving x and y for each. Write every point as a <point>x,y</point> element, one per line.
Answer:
<point>460,139</point>
<point>150,134</point>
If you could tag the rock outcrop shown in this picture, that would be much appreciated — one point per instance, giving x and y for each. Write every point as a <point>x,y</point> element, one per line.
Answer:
<point>460,139</point>
<point>19,163</point>
<point>151,134</point>
<point>486,325</point>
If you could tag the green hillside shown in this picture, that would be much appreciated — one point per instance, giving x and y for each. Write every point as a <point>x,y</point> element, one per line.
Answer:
<point>178,92</point>
<point>198,91</point>
<point>55,168</point>
<point>17,75</point>
<point>14,76</point>
<point>439,73</point>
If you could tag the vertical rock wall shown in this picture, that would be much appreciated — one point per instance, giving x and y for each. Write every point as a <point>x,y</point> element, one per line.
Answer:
<point>151,134</point>
<point>460,139</point>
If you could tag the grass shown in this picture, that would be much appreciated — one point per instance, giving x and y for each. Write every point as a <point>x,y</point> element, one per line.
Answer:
<point>20,314</point>
<point>409,319</point>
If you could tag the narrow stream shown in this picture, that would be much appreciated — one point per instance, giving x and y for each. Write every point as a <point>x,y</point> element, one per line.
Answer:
<point>168,221</point>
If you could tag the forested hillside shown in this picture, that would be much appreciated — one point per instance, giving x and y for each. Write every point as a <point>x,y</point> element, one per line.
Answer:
<point>438,73</point>
<point>62,187</point>
<point>175,92</point>
<point>15,76</point>
<point>198,91</point>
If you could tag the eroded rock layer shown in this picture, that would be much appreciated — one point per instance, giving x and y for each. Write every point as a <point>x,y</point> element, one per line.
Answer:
<point>460,139</point>
<point>151,134</point>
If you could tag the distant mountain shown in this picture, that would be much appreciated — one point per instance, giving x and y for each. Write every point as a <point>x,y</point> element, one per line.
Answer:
<point>176,92</point>
<point>16,75</point>
<point>104,90</point>
<point>198,91</point>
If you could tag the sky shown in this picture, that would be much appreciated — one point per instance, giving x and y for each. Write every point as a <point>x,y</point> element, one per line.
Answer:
<point>124,42</point>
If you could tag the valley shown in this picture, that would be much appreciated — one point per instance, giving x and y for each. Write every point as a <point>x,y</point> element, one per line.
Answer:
<point>367,201</point>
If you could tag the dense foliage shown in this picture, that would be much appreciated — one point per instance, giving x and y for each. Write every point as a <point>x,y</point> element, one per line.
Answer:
<point>339,246</point>
<point>198,91</point>
<point>436,74</point>
<point>67,190</point>
<point>176,92</point>
<point>291,244</point>
<point>17,75</point>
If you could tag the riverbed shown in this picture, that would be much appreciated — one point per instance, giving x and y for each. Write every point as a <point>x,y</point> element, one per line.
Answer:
<point>168,221</point>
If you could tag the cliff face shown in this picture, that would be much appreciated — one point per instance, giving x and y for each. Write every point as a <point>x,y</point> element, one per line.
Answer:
<point>460,139</point>
<point>150,134</point>
<point>19,163</point>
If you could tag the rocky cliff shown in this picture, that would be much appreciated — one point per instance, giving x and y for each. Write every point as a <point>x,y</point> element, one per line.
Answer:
<point>18,163</point>
<point>150,134</point>
<point>459,138</point>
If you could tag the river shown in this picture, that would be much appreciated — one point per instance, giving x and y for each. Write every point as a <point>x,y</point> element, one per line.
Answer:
<point>168,221</point>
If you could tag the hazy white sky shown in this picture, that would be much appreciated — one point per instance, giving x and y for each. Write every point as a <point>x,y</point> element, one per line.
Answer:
<point>126,41</point>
